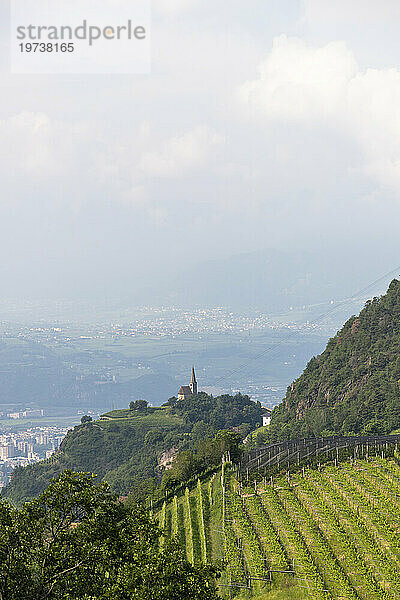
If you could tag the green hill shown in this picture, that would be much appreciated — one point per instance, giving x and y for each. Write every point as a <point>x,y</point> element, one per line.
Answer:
<point>329,534</point>
<point>127,447</point>
<point>354,385</point>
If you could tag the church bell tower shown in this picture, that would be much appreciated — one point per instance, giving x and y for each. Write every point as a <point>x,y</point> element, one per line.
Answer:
<point>193,382</point>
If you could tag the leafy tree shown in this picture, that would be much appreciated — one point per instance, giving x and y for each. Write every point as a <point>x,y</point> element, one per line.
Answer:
<point>86,419</point>
<point>227,442</point>
<point>154,437</point>
<point>139,405</point>
<point>202,431</point>
<point>375,427</point>
<point>185,466</point>
<point>77,542</point>
<point>173,400</point>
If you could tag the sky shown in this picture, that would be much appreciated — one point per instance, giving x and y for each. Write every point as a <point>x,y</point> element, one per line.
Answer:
<point>263,124</point>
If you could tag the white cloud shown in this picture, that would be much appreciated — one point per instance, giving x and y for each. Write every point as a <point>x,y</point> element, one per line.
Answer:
<point>76,165</point>
<point>324,85</point>
<point>181,155</point>
<point>70,163</point>
<point>297,80</point>
<point>35,145</point>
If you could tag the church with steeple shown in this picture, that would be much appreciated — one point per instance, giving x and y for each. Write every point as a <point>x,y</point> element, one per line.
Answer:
<point>187,391</point>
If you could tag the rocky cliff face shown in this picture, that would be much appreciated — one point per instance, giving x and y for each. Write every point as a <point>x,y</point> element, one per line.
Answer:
<point>167,458</point>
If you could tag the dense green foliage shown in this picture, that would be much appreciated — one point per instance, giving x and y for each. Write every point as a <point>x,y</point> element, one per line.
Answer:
<point>76,542</point>
<point>354,386</point>
<point>125,446</point>
<point>325,534</point>
<point>206,455</point>
<point>222,412</point>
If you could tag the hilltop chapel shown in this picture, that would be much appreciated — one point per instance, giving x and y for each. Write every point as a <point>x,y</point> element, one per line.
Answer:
<point>187,391</point>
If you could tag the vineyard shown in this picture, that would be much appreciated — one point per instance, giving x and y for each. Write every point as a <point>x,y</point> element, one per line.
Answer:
<point>325,534</point>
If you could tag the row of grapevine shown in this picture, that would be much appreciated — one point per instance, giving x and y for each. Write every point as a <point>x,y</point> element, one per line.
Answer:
<point>388,478</point>
<point>379,523</point>
<point>358,553</point>
<point>378,491</point>
<point>328,534</point>
<point>188,527</point>
<point>182,537</point>
<point>334,575</point>
<point>247,536</point>
<point>233,554</point>
<point>295,546</point>
<point>196,524</point>
<point>175,521</point>
<point>382,529</point>
<point>202,527</point>
<point>272,547</point>
<point>210,490</point>
<point>162,522</point>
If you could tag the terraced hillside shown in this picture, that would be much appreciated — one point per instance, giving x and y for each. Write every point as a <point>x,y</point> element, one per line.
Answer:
<point>329,534</point>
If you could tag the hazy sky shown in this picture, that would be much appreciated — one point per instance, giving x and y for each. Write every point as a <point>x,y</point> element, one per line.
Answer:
<point>265,123</point>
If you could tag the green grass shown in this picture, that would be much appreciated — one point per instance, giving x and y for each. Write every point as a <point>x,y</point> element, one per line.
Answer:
<point>158,418</point>
<point>123,413</point>
<point>337,528</point>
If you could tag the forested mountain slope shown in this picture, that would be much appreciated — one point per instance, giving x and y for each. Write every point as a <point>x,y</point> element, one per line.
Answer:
<point>354,385</point>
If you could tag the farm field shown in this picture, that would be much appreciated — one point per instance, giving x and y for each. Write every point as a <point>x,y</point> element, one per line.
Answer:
<point>325,535</point>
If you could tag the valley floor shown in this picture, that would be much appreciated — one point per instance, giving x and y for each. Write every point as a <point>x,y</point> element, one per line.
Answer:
<point>330,534</point>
